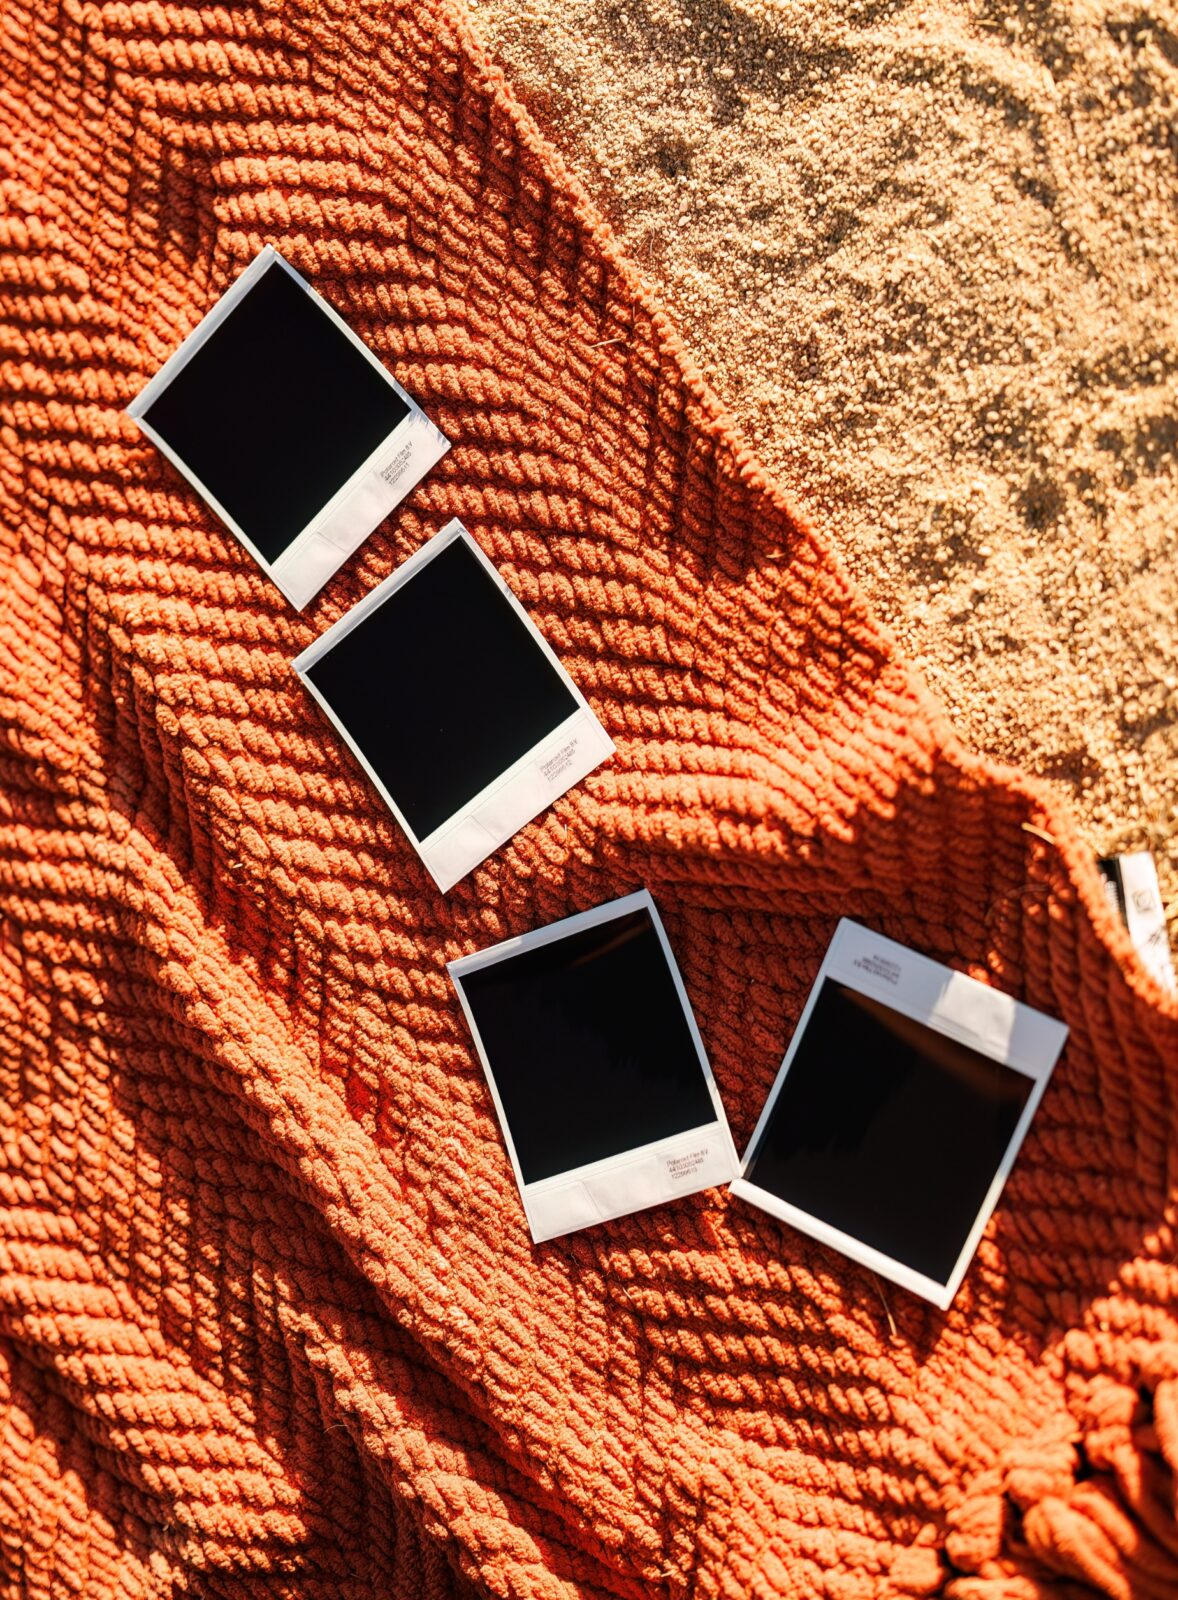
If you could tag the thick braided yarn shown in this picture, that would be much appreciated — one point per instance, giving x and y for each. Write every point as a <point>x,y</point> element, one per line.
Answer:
<point>270,1320</point>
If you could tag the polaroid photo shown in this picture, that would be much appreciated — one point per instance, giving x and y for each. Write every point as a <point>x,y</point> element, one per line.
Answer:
<point>898,1111</point>
<point>1131,883</point>
<point>454,704</point>
<point>288,426</point>
<point>596,1067</point>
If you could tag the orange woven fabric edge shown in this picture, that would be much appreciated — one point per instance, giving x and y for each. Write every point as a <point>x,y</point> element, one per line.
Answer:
<point>270,1321</point>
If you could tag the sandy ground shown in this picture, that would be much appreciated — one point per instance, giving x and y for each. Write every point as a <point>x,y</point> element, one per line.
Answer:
<point>928,252</point>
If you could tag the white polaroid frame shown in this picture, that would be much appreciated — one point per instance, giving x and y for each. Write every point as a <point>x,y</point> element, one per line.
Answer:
<point>361,502</point>
<point>951,1003</point>
<point>633,1180</point>
<point>524,789</point>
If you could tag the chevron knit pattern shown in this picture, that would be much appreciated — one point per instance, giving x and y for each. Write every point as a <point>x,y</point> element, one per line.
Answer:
<point>270,1320</point>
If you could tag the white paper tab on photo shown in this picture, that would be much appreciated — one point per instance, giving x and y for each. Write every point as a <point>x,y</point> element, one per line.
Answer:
<point>693,1149</point>
<point>912,989</point>
<point>373,483</point>
<point>564,753</point>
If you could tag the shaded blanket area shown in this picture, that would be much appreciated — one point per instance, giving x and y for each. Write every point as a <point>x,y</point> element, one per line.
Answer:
<point>270,1319</point>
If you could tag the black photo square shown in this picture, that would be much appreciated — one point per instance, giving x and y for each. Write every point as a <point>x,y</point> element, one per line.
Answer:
<point>589,1045</point>
<point>454,704</point>
<point>596,1067</point>
<point>888,1130</point>
<point>898,1111</point>
<point>276,411</point>
<point>287,425</point>
<point>443,687</point>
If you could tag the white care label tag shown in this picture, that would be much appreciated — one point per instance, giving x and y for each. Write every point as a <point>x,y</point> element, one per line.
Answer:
<point>1132,885</point>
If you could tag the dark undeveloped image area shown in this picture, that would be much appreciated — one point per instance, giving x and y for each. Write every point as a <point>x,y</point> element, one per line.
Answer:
<point>888,1130</point>
<point>276,411</point>
<point>590,1049</point>
<point>443,687</point>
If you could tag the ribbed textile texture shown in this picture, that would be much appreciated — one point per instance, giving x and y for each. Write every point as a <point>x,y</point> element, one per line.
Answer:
<point>270,1320</point>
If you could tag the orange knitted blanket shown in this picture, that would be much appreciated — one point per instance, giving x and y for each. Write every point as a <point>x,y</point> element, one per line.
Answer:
<point>270,1320</point>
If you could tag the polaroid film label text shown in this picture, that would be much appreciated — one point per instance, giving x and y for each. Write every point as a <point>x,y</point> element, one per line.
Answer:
<point>877,966</point>
<point>394,470</point>
<point>686,1164</point>
<point>559,761</point>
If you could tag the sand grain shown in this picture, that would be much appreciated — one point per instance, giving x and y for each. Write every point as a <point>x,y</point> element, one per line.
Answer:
<point>928,252</point>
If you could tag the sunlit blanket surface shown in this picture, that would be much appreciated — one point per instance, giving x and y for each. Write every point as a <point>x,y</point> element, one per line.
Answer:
<point>270,1319</point>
